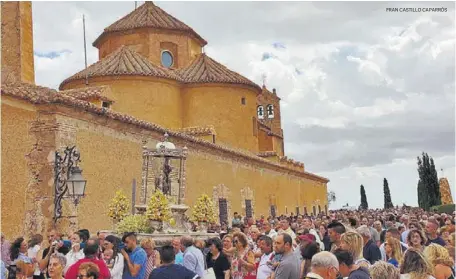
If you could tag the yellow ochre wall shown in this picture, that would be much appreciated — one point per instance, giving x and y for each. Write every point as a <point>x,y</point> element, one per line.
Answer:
<point>147,43</point>
<point>153,100</point>
<point>17,40</point>
<point>220,106</point>
<point>16,143</point>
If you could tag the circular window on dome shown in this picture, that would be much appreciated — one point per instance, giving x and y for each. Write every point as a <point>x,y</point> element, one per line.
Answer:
<point>167,59</point>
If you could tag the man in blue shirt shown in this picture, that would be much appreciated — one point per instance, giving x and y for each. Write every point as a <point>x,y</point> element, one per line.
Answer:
<point>170,270</point>
<point>179,259</point>
<point>135,259</point>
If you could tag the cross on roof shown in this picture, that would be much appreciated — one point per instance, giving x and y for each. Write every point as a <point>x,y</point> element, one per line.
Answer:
<point>264,79</point>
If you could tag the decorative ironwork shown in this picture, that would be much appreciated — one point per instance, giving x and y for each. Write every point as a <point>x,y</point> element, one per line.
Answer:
<point>223,210</point>
<point>63,167</point>
<point>273,211</point>
<point>248,209</point>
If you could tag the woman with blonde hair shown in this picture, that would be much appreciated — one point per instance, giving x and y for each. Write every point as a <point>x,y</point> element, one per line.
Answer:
<point>352,242</point>
<point>153,257</point>
<point>393,250</point>
<point>415,266</point>
<point>439,257</point>
<point>383,270</point>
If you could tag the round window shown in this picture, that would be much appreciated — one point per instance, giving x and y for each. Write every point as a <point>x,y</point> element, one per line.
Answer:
<point>167,59</point>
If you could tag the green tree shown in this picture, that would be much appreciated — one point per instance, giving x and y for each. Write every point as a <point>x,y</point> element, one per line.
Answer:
<point>364,204</point>
<point>428,184</point>
<point>331,197</point>
<point>387,195</point>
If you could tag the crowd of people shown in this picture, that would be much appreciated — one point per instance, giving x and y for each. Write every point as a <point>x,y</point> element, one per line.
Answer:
<point>379,244</point>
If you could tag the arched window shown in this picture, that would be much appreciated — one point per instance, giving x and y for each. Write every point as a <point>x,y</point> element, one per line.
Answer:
<point>270,111</point>
<point>260,112</point>
<point>167,59</point>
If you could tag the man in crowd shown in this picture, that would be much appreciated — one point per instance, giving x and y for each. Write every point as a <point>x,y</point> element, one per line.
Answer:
<point>6,258</point>
<point>307,224</point>
<point>374,234</point>
<point>379,229</point>
<point>90,253</point>
<point>265,265</point>
<point>432,236</point>
<point>371,252</point>
<point>55,244</point>
<point>289,267</point>
<point>285,228</point>
<point>237,220</point>
<point>335,230</point>
<point>135,258</point>
<point>268,230</point>
<point>168,269</point>
<point>179,256</point>
<point>324,266</point>
<point>347,267</point>
<point>193,257</point>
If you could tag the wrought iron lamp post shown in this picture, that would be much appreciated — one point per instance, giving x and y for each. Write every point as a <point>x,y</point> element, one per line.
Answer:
<point>68,180</point>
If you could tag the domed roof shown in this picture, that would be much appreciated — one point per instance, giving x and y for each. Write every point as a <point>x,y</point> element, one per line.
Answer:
<point>123,62</point>
<point>204,69</point>
<point>149,16</point>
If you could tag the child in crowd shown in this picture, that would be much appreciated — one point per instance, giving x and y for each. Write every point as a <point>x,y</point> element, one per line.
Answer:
<point>107,257</point>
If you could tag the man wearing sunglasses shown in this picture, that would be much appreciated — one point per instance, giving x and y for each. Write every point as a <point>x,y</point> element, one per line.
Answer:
<point>324,266</point>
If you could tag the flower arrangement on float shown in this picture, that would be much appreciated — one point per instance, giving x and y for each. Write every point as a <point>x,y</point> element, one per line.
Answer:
<point>119,207</point>
<point>158,210</point>
<point>134,223</point>
<point>203,211</point>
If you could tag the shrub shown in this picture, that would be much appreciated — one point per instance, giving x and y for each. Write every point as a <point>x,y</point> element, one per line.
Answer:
<point>134,223</point>
<point>446,208</point>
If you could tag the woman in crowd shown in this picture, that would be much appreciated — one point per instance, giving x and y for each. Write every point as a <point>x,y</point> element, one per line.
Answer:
<point>228,248</point>
<point>88,271</point>
<point>253,239</point>
<point>440,259</point>
<point>323,233</point>
<point>116,264</point>
<point>307,252</point>
<point>32,252</point>
<point>18,252</point>
<point>384,270</point>
<point>393,250</point>
<point>416,239</point>
<point>352,242</point>
<point>57,263</point>
<point>153,256</point>
<point>216,260</point>
<point>445,234</point>
<point>243,262</point>
<point>415,266</point>
<point>76,253</point>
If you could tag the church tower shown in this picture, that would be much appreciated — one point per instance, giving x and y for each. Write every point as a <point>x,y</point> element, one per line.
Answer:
<point>17,42</point>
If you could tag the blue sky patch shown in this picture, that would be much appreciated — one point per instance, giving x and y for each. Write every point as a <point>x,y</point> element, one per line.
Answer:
<point>279,45</point>
<point>267,55</point>
<point>51,54</point>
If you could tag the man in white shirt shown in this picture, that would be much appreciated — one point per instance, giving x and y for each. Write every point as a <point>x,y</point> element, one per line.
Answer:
<point>307,223</point>
<point>285,228</point>
<point>268,230</point>
<point>265,266</point>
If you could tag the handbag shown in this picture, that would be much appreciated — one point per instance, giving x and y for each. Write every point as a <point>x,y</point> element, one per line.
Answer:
<point>209,274</point>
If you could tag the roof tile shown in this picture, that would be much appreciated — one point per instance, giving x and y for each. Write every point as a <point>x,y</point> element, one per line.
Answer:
<point>123,61</point>
<point>204,69</point>
<point>88,93</point>
<point>149,15</point>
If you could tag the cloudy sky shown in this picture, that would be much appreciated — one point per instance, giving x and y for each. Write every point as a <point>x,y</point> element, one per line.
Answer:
<point>364,91</point>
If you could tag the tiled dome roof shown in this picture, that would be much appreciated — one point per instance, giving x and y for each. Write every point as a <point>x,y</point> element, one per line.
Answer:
<point>124,61</point>
<point>204,69</point>
<point>149,15</point>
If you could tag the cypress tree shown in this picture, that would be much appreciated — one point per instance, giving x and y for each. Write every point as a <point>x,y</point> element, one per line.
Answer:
<point>364,204</point>
<point>428,185</point>
<point>387,195</point>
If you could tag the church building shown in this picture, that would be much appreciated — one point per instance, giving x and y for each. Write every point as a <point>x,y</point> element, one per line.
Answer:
<point>152,78</point>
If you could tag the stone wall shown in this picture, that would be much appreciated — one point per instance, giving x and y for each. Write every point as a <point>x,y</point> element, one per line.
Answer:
<point>111,158</point>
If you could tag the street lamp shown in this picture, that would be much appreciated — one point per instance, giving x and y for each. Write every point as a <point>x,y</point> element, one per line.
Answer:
<point>68,180</point>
